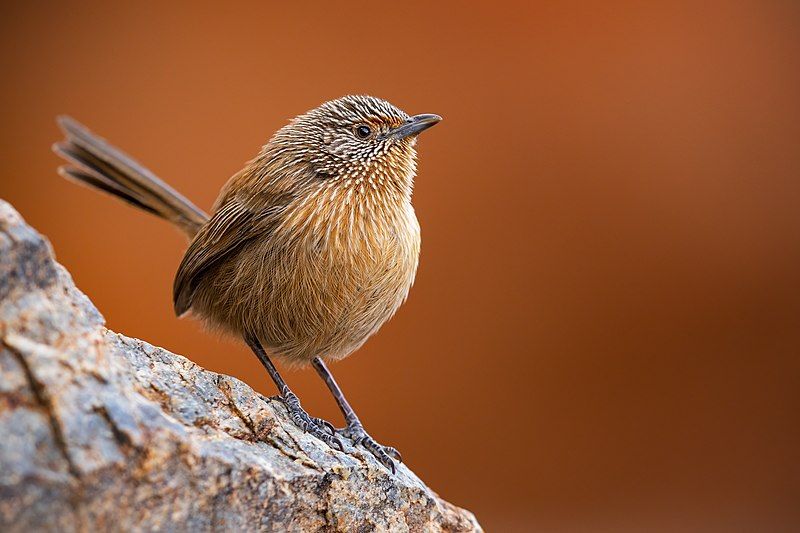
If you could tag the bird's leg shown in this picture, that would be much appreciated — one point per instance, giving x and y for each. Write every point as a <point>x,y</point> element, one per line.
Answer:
<point>318,427</point>
<point>354,430</point>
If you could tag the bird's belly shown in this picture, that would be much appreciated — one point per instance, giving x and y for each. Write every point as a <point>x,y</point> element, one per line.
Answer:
<point>308,301</point>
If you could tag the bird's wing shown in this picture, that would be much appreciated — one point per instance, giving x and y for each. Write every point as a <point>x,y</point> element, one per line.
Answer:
<point>231,227</point>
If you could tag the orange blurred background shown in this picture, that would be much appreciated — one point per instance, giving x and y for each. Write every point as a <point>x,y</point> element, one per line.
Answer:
<point>603,335</point>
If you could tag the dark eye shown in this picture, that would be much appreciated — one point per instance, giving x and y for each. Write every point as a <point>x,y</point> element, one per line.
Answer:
<point>363,131</point>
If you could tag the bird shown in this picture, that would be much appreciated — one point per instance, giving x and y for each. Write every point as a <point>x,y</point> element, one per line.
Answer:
<point>308,250</point>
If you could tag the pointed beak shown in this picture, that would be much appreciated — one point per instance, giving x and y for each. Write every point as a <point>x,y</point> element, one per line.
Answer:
<point>415,125</point>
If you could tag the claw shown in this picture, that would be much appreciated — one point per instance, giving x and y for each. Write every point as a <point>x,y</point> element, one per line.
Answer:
<point>393,453</point>
<point>322,429</point>
<point>379,453</point>
<point>325,424</point>
<point>333,442</point>
<point>382,453</point>
<point>339,446</point>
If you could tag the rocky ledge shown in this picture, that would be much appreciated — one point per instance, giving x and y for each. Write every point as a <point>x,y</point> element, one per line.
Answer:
<point>103,432</point>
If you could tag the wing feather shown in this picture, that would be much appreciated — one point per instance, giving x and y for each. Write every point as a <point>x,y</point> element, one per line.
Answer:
<point>226,232</point>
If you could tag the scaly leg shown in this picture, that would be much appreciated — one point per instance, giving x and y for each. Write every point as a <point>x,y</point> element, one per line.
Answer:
<point>318,427</point>
<point>354,430</point>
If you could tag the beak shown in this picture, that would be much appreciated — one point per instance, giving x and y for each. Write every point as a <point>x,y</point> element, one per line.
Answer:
<point>415,125</point>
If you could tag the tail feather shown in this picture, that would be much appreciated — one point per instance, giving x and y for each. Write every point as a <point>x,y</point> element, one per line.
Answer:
<point>88,177</point>
<point>106,168</point>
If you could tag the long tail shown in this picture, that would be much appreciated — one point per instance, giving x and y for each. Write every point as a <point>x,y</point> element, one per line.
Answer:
<point>104,167</point>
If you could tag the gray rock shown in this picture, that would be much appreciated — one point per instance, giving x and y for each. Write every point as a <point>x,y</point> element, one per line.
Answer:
<point>99,431</point>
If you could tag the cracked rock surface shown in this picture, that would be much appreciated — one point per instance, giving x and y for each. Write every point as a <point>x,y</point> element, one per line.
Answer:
<point>103,432</point>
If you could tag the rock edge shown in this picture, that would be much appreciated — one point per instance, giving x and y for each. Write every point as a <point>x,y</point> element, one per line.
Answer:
<point>105,432</point>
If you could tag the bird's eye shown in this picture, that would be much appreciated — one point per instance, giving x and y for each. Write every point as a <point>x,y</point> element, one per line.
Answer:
<point>363,131</point>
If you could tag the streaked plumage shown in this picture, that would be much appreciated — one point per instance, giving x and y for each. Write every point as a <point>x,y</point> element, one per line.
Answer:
<point>314,245</point>
<point>310,248</point>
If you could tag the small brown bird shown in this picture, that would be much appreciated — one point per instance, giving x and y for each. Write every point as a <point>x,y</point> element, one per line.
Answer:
<point>310,248</point>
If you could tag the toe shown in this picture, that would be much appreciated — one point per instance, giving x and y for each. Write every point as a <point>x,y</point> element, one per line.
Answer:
<point>302,424</point>
<point>322,429</point>
<point>384,454</point>
<point>325,425</point>
<point>330,440</point>
<point>336,443</point>
<point>378,451</point>
<point>393,453</point>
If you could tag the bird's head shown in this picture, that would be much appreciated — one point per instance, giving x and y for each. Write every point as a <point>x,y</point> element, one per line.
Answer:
<point>361,143</point>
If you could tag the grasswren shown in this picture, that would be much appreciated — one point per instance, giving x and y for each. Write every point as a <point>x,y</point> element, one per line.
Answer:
<point>311,247</point>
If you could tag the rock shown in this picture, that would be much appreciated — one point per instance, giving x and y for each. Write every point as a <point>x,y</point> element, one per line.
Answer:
<point>99,431</point>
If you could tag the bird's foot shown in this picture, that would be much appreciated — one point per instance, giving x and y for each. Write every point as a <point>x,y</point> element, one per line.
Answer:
<point>384,454</point>
<point>322,429</point>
